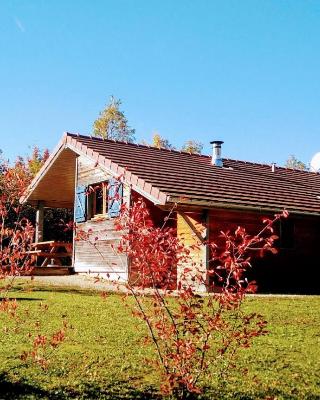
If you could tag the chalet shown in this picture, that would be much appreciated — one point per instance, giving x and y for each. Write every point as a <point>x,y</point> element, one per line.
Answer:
<point>212,194</point>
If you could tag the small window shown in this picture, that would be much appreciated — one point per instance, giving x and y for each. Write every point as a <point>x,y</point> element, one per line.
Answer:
<point>98,199</point>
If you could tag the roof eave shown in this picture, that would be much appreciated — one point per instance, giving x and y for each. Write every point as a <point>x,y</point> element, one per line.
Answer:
<point>214,204</point>
<point>43,170</point>
<point>139,185</point>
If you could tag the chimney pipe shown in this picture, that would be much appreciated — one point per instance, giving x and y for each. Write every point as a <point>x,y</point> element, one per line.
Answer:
<point>216,153</point>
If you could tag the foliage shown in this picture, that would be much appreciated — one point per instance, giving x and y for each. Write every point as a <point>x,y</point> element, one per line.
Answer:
<point>15,178</point>
<point>294,163</point>
<point>112,123</point>
<point>193,332</point>
<point>161,143</point>
<point>36,160</point>
<point>104,357</point>
<point>43,345</point>
<point>16,237</point>
<point>13,181</point>
<point>57,224</point>
<point>192,146</point>
<point>16,232</point>
<point>21,173</point>
<point>25,167</point>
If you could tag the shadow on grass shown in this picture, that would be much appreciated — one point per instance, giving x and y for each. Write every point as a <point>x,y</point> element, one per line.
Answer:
<point>267,394</point>
<point>65,289</point>
<point>19,389</point>
<point>123,390</point>
<point>119,390</point>
<point>21,298</point>
<point>35,287</point>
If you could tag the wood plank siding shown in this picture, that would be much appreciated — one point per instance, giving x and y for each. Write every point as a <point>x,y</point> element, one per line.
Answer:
<point>192,231</point>
<point>56,188</point>
<point>98,255</point>
<point>205,198</point>
<point>295,269</point>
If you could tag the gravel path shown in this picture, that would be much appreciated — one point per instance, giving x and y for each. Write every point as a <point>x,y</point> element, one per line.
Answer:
<point>80,281</point>
<point>89,282</point>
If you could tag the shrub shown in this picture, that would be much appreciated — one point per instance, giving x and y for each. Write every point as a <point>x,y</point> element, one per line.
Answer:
<point>192,332</point>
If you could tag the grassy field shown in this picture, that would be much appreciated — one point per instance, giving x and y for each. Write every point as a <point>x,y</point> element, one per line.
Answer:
<point>103,356</point>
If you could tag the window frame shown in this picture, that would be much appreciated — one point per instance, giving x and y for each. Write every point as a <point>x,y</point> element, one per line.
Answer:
<point>93,190</point>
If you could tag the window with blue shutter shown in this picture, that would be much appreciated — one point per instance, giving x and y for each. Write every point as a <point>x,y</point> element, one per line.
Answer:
<point>81,201</point>
<point>114,197</point>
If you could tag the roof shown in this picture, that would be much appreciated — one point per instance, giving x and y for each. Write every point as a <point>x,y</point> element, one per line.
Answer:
<point>167,176</point>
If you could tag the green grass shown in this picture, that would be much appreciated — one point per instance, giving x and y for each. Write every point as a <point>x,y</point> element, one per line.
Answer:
<point>104,357</point>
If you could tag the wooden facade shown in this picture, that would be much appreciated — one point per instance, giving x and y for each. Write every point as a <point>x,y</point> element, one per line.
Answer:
<point>295,268</point>
<point>192,230</point>
<point>210,199</point>
<point>98,253</point>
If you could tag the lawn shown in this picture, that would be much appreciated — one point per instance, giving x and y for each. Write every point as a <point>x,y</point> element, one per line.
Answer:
<point>104,356</point>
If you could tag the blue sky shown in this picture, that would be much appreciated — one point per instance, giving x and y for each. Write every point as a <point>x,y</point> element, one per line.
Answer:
<point>246,72</point>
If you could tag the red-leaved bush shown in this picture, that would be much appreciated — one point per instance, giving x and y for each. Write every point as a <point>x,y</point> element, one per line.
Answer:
<point>193,334</point>
<point>16,236</point>
<point>16,233</point>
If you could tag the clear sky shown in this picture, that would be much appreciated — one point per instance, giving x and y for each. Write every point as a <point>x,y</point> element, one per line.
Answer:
<point>246,72</point>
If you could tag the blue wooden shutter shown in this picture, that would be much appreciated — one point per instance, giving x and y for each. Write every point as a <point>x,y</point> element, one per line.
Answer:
<point>81,200</point>
<point>114,197</point>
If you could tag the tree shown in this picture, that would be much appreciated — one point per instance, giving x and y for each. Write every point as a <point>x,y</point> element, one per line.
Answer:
<point>22,171</point>
<point>17,259</point>
<point>36,160</point>
<point>161,143</point>
<point>192,146</point>
<point>13,180</point>
<point>294,163</point>
<point>112,123</point>
<point>24,167</point>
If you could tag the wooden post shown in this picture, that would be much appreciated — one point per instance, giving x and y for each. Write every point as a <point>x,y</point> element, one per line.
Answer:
<point>206,247</point>
<point>39,222</point>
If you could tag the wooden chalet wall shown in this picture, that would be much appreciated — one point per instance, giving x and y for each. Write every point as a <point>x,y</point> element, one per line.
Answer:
<point>192,231</point>
<point>100,257</point>
<point>157,215</point>
<point>292,270</point>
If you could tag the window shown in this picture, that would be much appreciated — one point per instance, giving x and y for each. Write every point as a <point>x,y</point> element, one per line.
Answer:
<point>100,199</point>
<point>97,199</point>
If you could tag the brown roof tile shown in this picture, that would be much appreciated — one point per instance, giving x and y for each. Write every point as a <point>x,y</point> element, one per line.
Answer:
<point>192,177</point>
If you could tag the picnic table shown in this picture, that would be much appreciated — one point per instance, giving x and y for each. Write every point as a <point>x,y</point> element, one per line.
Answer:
<point>52,251</point>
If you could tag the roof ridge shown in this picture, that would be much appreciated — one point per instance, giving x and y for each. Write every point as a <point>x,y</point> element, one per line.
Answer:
<point>295,170</point>
<point>75,135</point>
<point>99,139</point>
